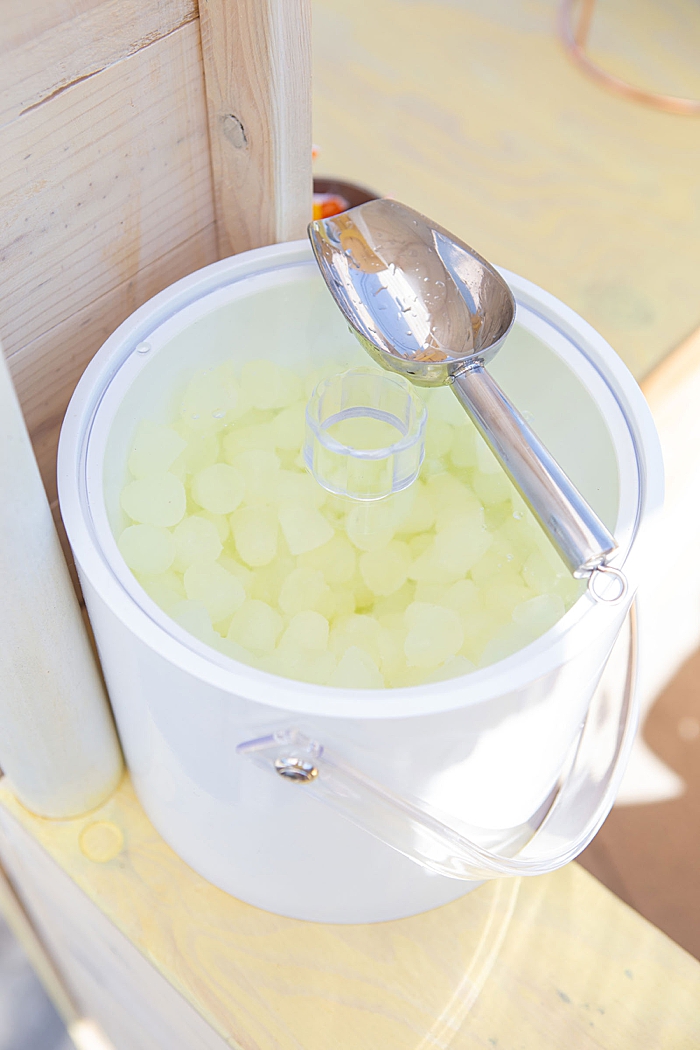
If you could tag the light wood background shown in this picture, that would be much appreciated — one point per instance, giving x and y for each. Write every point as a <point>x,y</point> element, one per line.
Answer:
<point>470,111</point>
<point>162,958</point>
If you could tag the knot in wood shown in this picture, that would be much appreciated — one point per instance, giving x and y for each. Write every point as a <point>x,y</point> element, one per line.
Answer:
<point>234,132</point>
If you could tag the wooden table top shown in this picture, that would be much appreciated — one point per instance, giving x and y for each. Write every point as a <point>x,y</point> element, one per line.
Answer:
<point>469,111</point>
<point>552,962</point>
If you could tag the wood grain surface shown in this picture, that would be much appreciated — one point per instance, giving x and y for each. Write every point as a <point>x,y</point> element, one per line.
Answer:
<point>105,188</point>
<point>257,62</point>
<point>48,47</point>
<point>469,111</point>
<point>550,963</point>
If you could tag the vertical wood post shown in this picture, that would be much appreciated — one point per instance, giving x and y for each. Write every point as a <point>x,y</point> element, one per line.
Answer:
<point>257,64</point>
<point>58,746</point>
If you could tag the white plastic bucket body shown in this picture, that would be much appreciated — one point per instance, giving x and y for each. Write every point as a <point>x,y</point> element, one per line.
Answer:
<point>485,749</point>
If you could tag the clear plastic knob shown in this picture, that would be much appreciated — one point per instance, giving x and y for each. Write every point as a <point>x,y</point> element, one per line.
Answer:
<point>365,434</point>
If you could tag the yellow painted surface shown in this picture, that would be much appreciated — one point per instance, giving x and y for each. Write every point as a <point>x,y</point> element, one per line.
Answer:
<point>555,962</point>
<point>470,111</point>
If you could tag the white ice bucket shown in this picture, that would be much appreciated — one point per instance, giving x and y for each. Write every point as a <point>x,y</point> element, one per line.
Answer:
<point>402,799</point>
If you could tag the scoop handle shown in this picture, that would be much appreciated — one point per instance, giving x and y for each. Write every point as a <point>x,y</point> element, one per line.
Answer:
<point>571,524</point>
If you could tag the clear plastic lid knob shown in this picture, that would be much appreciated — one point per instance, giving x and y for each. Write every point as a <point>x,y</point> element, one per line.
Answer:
<point>365,434</point>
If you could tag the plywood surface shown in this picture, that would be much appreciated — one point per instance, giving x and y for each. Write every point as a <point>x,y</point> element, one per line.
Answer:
<point>469,111</point>
<point>105,186</point>
<point>548,963</point>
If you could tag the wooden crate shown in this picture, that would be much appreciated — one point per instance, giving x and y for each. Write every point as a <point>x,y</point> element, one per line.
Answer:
<point>140,142</point>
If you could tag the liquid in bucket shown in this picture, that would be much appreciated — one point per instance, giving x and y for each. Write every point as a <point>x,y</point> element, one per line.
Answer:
<point>233,537</point>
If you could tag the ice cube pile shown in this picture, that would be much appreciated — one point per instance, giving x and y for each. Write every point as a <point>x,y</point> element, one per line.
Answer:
<point>232,537</point>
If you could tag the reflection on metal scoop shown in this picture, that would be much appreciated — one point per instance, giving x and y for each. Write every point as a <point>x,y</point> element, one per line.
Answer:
<point>424,304</point>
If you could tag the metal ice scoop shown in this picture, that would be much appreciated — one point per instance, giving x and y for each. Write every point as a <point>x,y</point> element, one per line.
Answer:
<point>424,304</point>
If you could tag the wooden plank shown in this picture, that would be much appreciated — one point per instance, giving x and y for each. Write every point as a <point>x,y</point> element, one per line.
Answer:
<point>107,977</point>
<point>548,963</point>
<point>49,46</point>
<point>257,64</point>
<point>17,919</point>
<point>100,182</point>
<point>46,370</point>
<point>58,743</point>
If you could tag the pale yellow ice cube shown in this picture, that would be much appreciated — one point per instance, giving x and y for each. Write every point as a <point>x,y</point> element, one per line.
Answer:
<point>438,436</point>
<point>431,592</point>
<point>434,635</point>
<point>356,630</point>
<point>156,500</point>
<point>301,590</point>
<point>306,630</point>
<point>304,665</point>
<point>336,559</point>
<point>245,575</point>
<point>498,559</point>
<point>463,451</point>
<point>485,460</point>
<point>242,438</point>
<point>256,626</point>
<point>218,589</point>
<point>492,489</point>
<point>255,531</point>
<point>294,486</point>
<point>419,544</point>
<point>392,659</point>
<point>364,597</point>
<point>196,540</point>
<point>452,668</point>
<point>194,617</point>
<point>460,545</point>
<point>218,488</point>
<point>421,515</point>
<point>540,573</point>
<point>356,670</point>
<point>219,521</point>
<point>539,613</point>
<point>288,427</point>
<point>462,596</point>
<point>450,554</point>
<point>166,590</point>
<point>147,549</point>
<point>395,603</point>
<point>386,570</point>
<point>237,652</point>
<point>444,405</point>
<point>371,525</point>
<point>343,601</point>
<point>503,593</point>
<point>154,449</point>
<point>266,384</point>
<point>304,527</point>
<point>201,450</point>
<point>260,469</point>
<point>267,580</point>
<point>209,397</point>
<point>452,500</point>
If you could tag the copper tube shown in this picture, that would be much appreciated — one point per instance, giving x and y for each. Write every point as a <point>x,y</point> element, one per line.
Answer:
<point>574,41</point>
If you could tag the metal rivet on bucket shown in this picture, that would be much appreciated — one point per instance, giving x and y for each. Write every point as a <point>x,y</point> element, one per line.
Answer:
<point>297,769</point>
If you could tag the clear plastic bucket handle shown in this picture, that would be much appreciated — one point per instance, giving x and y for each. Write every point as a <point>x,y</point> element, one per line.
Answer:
<point>577,808</point>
